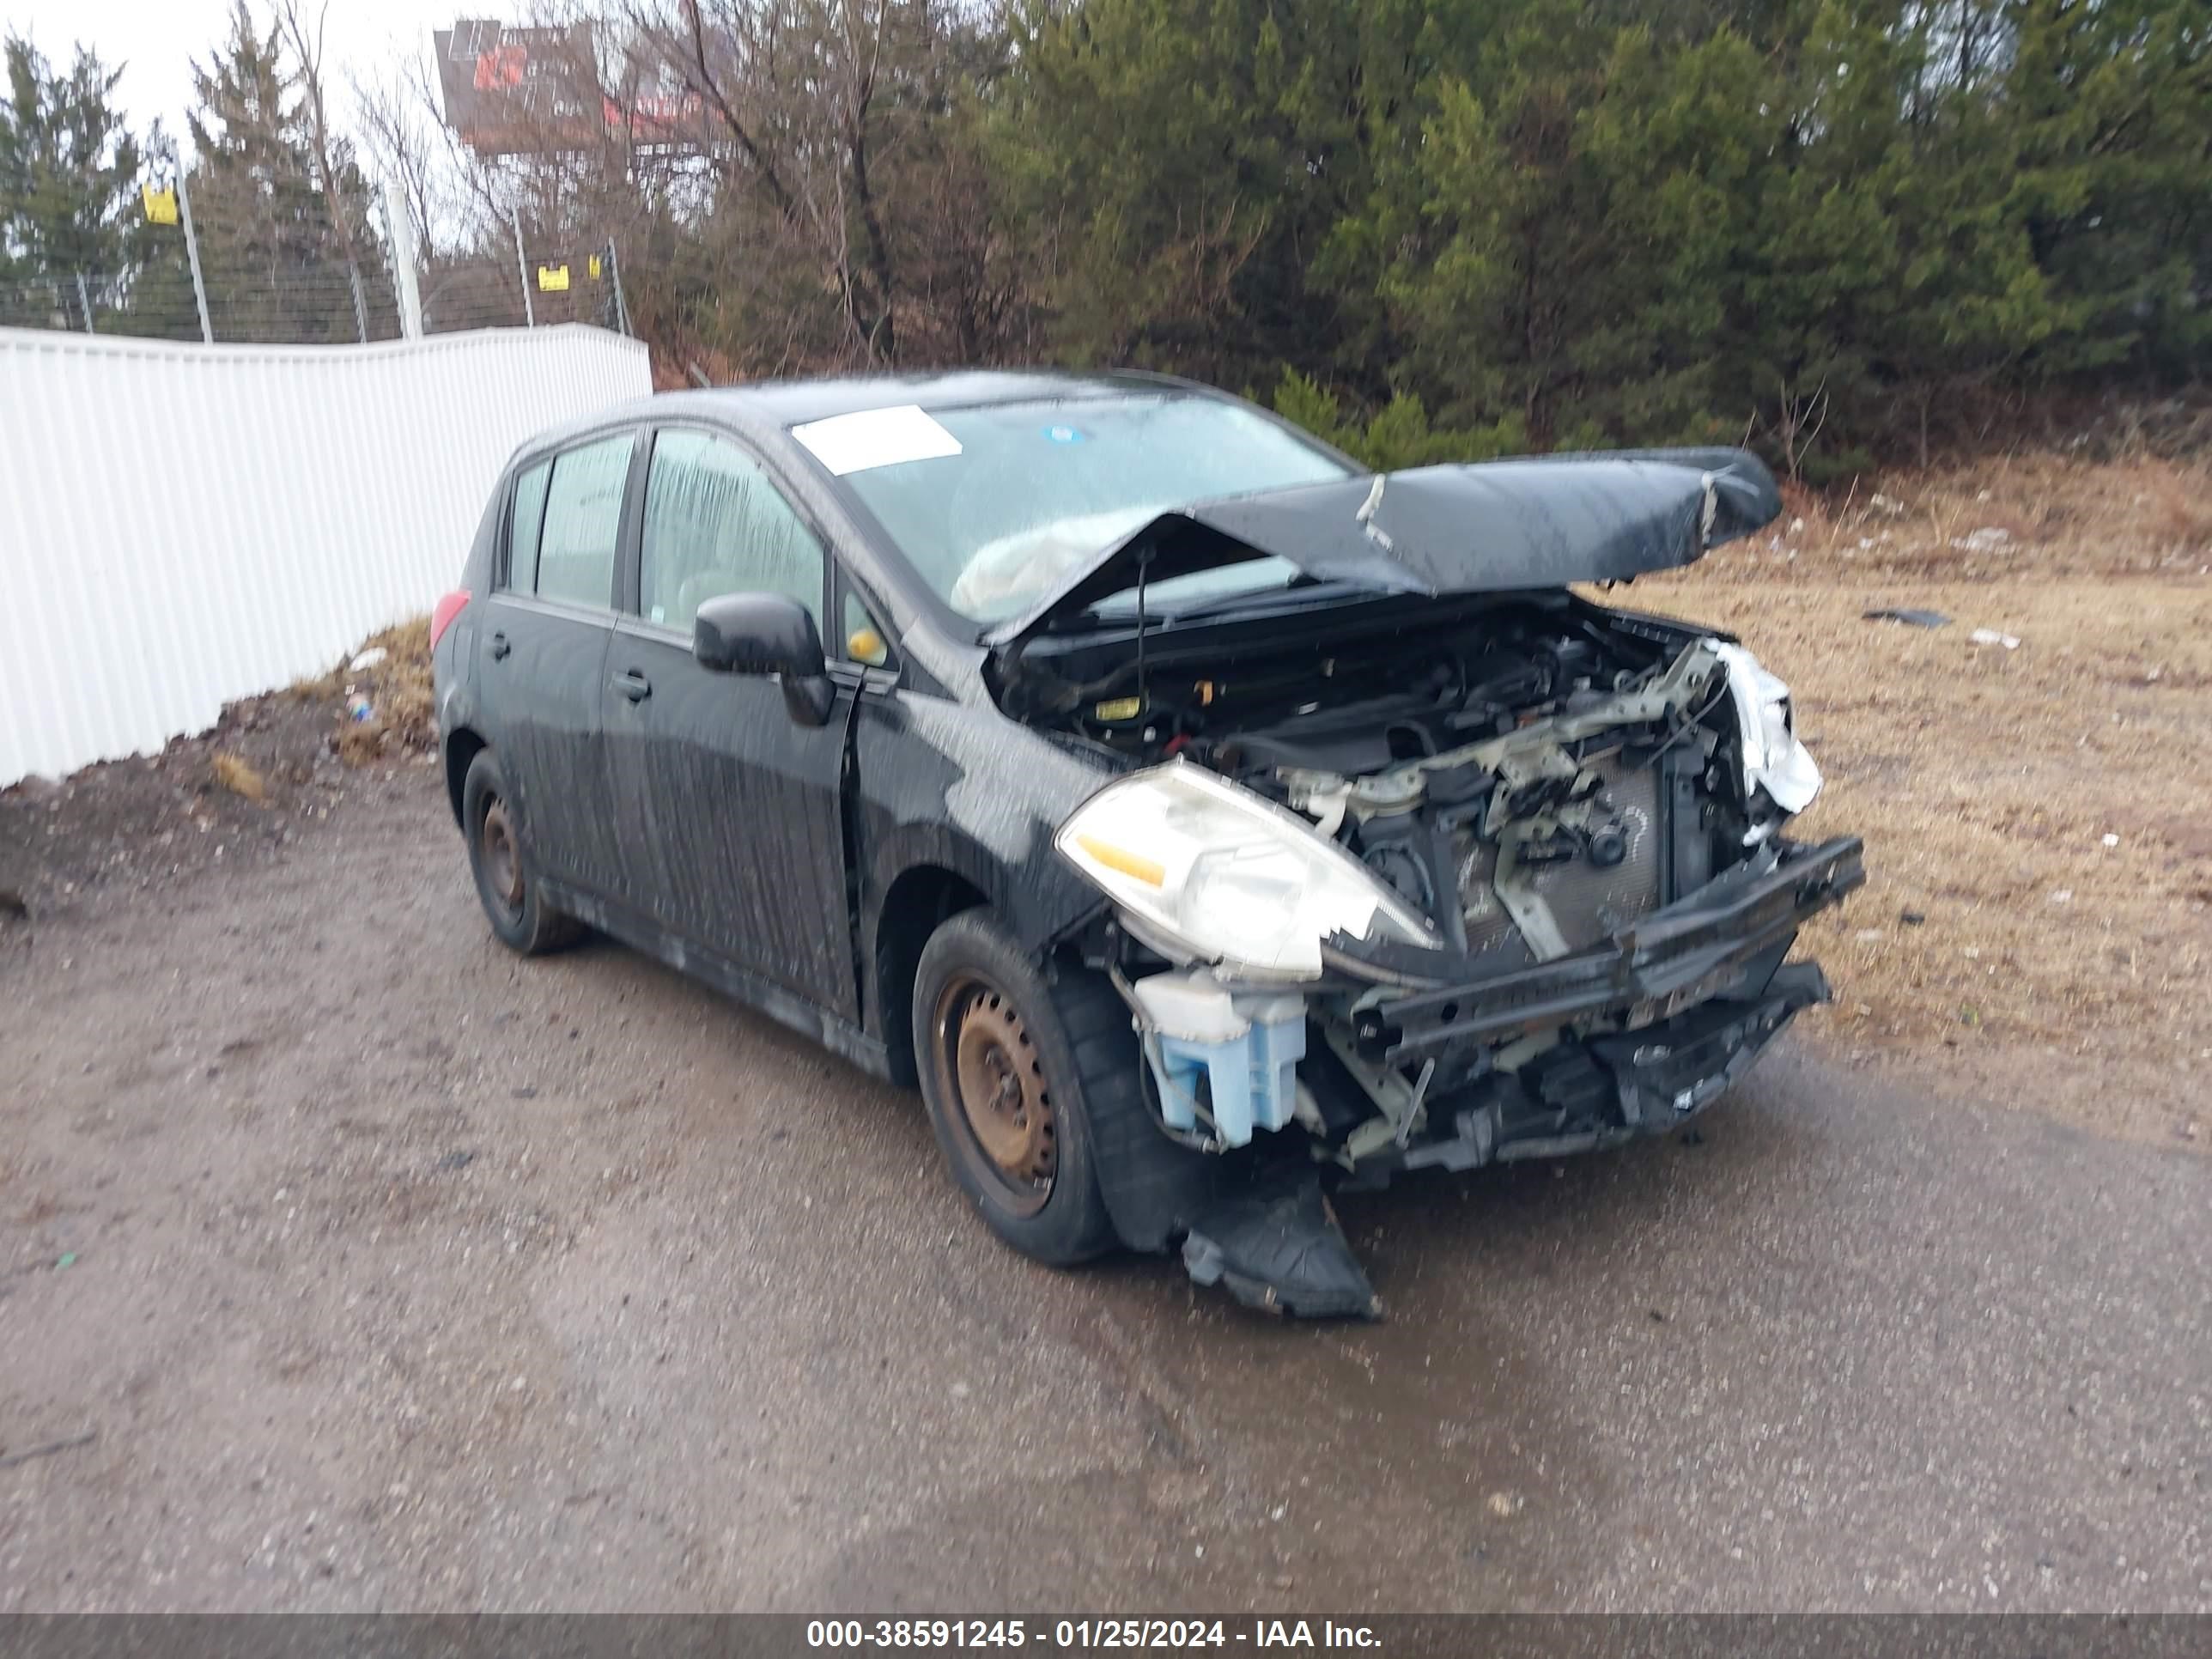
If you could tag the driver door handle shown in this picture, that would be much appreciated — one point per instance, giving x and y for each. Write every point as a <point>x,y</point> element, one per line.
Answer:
<point>500,647</point>
<point>633,685</point>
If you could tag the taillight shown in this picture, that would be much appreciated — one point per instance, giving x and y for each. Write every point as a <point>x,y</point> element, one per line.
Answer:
<point>443,618</point>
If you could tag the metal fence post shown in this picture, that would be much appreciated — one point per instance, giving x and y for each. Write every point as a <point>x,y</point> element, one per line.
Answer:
<point>359,303</point>
<point>85,302</point>
<point>522,270</point>
<point>193,252</point>
<point>614,270</point>
<point>399,233</point>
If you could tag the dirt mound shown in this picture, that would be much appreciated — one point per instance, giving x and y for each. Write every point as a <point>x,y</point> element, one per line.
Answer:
<point>236,791</point>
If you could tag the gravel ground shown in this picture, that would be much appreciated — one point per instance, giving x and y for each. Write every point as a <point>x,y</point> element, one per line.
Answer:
<point>387,1271</point>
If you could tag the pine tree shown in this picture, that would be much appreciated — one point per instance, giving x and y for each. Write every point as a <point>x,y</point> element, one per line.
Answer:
<point>2107,111</point>
<point>68,188</point>
<point>273,261</point>
<point>1178,164</point>
<point>1838,227</point>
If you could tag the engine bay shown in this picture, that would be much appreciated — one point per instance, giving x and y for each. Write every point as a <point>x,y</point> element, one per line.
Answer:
<point>1531,778</point>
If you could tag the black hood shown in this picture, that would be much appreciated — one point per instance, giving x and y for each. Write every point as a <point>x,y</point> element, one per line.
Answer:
<point>1489,526</point>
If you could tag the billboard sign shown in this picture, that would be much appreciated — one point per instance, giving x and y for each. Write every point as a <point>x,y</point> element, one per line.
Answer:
<point>511,90</point>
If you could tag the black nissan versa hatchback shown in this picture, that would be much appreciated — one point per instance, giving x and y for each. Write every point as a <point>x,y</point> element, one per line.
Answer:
<point>1202,821</point>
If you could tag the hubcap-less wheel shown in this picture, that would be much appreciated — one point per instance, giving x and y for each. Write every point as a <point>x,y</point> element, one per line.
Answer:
<point>1005,1105</point>
<point>502,864</point>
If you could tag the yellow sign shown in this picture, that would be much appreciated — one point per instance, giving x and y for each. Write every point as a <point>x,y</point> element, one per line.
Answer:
<point>161,204</point>
<point>552,279</point>
<point>595,267</point>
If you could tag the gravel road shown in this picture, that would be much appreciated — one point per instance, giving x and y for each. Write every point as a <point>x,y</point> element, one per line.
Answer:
<point>401,1273</point>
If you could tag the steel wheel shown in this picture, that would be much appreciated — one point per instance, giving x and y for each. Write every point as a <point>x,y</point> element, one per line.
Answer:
<point>998,1078</point>
<point>503,863</point>
<point>502,860</point>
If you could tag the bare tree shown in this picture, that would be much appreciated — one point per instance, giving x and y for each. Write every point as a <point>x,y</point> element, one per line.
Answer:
<point>794,184</point>
<point>713,59</point>
<point>306,48</point>
<point>791,96</point>
<point>402,135</point>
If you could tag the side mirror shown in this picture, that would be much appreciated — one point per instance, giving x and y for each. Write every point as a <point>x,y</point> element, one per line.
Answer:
<point>757,634</point>
<point>767,633</point>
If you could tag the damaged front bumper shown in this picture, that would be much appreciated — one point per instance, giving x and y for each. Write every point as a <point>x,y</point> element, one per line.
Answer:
<point>1594,1049</point>
<point>1669,960</point>
<point>1588,1051</point>
<point>1276,1244</point>
<point>1586,1093</point>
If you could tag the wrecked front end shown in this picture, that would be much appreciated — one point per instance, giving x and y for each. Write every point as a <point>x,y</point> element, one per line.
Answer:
<point>1521,890</point>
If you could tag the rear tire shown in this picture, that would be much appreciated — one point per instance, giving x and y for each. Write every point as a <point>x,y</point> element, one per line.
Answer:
<point>507,885</point>
<point>1002,1052</point>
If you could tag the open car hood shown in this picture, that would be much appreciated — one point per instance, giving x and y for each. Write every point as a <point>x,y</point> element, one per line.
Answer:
<point>1530,522</point>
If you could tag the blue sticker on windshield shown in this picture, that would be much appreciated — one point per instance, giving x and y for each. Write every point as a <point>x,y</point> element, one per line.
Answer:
<point>1064,434</point>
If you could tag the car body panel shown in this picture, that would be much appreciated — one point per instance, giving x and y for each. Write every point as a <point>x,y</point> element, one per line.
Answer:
<point>730,814</point>
<point>733,979</point>
<point>540,667</point>
<point>880,776</point>
<point>946,785</point>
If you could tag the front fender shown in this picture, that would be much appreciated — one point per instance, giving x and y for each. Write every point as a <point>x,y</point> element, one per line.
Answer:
<point>945,785</point>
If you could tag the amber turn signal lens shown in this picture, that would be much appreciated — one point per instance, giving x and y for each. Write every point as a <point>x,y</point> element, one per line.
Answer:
<point>1150,871</point>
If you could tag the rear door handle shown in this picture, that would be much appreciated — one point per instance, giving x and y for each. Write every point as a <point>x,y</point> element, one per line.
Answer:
<point>633,685</point>
<point>500,647</point>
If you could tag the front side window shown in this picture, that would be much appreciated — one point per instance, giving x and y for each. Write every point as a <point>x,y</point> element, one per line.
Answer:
<point>583,520</point>
<point>715,524</point>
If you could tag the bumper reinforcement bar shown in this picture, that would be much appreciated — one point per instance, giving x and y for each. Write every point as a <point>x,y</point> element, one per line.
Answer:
<point>1663,962</point>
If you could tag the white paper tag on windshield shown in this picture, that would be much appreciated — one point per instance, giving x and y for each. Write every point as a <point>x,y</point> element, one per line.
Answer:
<point>876,437</point>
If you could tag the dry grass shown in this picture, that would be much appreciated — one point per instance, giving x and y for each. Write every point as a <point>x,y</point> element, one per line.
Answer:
<point>402,715</point>
<point>236,774</point>
<point>2048,967</point>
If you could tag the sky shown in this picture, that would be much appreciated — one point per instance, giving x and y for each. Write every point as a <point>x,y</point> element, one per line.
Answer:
<point>156,40</point>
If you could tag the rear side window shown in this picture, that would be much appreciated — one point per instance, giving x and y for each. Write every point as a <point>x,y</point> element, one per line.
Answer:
<point>715,524</point>
<point>523,526</point>
<point>583,518</point>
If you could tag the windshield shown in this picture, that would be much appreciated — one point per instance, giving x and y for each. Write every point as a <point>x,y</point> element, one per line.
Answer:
<point>998,505</point>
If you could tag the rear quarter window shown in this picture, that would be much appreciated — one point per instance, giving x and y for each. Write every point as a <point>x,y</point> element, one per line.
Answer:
<point>523,526</point>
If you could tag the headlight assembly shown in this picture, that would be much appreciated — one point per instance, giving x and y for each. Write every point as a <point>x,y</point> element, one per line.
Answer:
<point>1773,759</point>
<point>1228,876</point>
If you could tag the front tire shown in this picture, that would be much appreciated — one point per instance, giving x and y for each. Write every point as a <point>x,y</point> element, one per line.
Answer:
<point>1001,1074</point>
<point>500,858</point>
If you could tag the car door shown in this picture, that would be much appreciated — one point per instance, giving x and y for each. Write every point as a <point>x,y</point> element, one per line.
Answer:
<point>730,811</point>
<point>543,652</point>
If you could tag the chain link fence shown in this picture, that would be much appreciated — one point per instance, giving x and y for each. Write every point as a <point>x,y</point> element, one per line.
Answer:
<point>329,302</point>
<point>562,286</point>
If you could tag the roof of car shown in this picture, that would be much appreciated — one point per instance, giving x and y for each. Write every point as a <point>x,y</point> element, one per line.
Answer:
<point>791,402</point>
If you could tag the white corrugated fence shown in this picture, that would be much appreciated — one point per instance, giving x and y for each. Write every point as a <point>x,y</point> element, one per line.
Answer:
<point>183,524</point>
